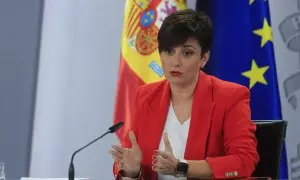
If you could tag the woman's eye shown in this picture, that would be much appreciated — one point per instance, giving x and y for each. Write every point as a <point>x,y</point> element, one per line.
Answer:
<point>188,53</point>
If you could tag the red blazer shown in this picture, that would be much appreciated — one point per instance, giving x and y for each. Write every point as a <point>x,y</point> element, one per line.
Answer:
<point>221,130</point>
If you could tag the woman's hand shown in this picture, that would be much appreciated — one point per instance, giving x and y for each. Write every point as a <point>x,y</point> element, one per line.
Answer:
<point>128,159</point>
<point>164,162</point>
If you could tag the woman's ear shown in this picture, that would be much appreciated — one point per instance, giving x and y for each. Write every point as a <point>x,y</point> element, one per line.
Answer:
<point>205,59</point>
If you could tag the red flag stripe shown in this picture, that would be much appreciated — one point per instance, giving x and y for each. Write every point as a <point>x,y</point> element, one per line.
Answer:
<point>127,85</point>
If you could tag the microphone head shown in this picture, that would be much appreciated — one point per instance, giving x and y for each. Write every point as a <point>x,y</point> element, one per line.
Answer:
<point>115,127</point>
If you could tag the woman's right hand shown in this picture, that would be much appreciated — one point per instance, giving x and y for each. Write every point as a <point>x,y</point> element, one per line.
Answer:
<point>128,159</point>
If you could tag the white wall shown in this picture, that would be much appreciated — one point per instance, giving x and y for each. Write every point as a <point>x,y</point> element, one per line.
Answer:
<point>287,64</point>
<point>76,86</point>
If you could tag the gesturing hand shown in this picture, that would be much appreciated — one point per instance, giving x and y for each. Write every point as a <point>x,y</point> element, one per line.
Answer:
<point>164,162</point>
<point>128,159</point>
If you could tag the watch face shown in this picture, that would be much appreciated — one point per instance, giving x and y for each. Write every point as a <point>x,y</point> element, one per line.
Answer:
<point>182,169</point>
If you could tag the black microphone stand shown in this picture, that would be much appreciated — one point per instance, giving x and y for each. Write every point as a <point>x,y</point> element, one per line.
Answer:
<point>112,129</point>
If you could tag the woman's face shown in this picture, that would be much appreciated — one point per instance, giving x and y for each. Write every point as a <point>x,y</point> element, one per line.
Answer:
<point>181,65</point>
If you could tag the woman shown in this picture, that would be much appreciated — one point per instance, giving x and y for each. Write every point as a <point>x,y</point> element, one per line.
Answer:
<point>190,125</point>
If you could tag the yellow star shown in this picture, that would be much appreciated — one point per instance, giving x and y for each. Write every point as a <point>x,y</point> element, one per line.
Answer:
<point>265,32</point>
<point>256,74</point>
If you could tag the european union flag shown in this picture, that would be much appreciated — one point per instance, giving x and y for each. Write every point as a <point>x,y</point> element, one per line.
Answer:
<point>242,52</point>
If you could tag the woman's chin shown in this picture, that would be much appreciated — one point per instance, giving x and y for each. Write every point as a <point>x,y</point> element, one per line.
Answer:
<point>177,81</point>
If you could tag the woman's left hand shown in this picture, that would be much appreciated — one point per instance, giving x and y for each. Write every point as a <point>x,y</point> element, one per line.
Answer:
<point>164,162</point>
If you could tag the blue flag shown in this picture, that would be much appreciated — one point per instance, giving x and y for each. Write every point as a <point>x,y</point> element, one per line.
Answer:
<point>242,52</point>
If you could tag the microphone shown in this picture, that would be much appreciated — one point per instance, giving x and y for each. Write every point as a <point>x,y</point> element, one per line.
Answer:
<point>112,129</point>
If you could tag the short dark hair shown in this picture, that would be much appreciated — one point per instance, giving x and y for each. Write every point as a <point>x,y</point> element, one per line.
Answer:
<point>181,25</point>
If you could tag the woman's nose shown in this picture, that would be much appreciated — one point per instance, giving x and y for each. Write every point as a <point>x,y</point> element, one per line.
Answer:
<point>176,61</point>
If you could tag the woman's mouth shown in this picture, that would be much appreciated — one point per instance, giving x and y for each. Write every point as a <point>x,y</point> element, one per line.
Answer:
<point>175,73</point>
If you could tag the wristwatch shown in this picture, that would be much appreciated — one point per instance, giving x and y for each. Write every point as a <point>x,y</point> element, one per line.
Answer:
<point>182,168</point>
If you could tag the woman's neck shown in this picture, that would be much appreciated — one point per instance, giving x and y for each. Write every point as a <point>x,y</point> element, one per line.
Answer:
<point>183,92</point>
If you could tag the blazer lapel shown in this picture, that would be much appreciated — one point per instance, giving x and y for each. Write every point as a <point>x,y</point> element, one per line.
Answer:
<point>156,118</point>
<point>202,109</point>
<point>160,106</point>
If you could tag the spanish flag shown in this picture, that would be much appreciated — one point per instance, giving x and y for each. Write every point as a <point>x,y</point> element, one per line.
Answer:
<point>139,61</point>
